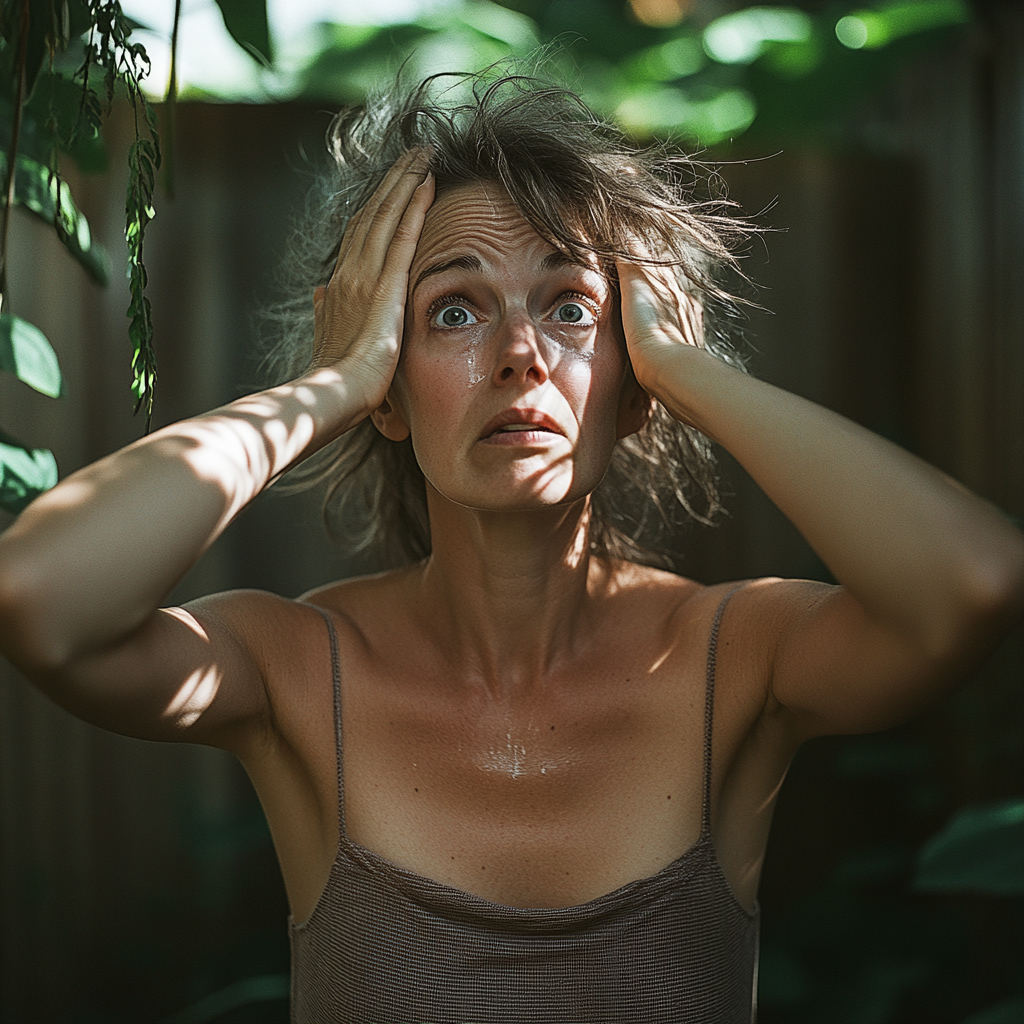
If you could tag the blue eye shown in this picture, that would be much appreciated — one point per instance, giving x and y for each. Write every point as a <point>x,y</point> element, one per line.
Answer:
<point>453,316</point>
<point>574,313</point>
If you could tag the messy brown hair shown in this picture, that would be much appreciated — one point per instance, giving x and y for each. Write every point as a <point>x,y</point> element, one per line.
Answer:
<point>588,191</point>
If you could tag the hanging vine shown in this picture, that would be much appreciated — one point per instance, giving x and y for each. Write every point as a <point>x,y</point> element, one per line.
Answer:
<point>63,64</point>
<point>108,50</point>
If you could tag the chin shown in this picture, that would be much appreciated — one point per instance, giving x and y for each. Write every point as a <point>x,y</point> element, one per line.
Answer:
<point>518,496</point>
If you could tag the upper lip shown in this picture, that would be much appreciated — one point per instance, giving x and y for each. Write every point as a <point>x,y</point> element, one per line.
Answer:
<point>532,417</point>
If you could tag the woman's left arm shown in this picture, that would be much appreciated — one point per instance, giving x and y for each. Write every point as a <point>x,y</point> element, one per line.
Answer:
<point>931,575</point>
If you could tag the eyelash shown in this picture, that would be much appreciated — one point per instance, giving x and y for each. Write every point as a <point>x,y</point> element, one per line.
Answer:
<point>583,300</point>
<point>457,300</point>
<point>438,304</point>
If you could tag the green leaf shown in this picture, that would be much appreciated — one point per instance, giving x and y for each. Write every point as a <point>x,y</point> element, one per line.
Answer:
<point>25,352</point>
<point>56,110</point>
<point>24,473</point>
<point>48,197</point>
<point>51,119</point>
<point>980,850</point>
<point>246,20</point>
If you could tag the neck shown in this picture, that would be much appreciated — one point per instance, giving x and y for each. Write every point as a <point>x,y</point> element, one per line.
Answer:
<point>507,592</point>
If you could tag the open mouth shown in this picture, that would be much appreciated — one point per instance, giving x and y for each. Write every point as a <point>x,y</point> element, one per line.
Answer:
<point>521,421</point>
<point>518,428</point>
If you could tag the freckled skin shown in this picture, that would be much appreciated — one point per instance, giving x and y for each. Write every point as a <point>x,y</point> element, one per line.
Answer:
<point>574,373</point>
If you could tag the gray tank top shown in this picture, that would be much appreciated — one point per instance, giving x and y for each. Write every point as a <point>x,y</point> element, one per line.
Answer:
<point>388,946</point>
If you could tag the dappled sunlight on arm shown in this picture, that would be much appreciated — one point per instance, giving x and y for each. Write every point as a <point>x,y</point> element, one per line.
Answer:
<point>88,562</point>
<point>188,619</point>
<point>193,698</point>
<point>198,691</point>
<point>240,455</point>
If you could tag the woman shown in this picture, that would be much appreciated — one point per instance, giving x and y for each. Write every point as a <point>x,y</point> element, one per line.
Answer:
<point>520,778</point>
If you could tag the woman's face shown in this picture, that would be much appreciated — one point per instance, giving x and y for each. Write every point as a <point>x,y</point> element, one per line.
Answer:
<point>513,376</point>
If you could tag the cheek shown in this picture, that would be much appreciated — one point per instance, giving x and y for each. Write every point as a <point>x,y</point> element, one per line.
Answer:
<point>604,379</point>
<point>428,390</point>
<point>458,359</point>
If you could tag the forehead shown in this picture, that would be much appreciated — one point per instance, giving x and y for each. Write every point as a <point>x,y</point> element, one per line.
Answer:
<point>478,221</point>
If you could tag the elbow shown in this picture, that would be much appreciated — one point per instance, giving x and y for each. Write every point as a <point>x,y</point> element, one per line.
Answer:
<point>988,602</point>
<point>998,584</point>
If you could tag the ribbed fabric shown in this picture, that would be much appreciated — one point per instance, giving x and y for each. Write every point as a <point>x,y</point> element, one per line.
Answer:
<point>388,946</point>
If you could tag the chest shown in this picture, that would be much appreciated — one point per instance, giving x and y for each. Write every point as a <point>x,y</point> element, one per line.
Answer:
<point>552,798</point>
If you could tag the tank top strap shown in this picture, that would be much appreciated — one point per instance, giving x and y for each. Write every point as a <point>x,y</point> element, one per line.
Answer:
<point>336,678</point>
<point>709,711</point>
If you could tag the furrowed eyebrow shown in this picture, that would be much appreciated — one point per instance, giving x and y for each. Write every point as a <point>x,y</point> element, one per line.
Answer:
<point>556,260</point>
<point>553,261</point>
<point>560,261</point>
<point>458,263</point>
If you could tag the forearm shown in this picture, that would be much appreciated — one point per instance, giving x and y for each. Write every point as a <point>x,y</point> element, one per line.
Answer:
<point>91,560</point>
<point>917,550</point>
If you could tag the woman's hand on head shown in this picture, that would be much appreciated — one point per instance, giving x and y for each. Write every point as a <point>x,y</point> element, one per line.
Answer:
<point>360,314</point>
<point>658,318</point>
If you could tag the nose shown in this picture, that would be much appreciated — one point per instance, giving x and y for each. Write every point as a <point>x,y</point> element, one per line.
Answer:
<point>520,356</point>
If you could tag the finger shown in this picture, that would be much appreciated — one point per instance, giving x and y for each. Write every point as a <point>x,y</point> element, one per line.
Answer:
<point>388,216</point>
<point>406,236</point>
<point>656,304</point>
<point>393,281</point>
<point>357,226</point>
<point>397,178</point>
<point>361,222</point>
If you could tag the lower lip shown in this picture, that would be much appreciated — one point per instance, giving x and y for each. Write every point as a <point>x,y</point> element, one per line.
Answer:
<point>522,438</point>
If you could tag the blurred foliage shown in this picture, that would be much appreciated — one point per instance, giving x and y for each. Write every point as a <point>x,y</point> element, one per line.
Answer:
<point>775,73</point>
<point>43,193</point>
<point>980,850</point>
<point>245,996</point>
<point>247,23</point>
<point>903,908</point>
<point>63,63</point>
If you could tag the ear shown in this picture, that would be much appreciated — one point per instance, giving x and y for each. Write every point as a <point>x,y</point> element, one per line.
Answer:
<point>389,420</point>
<point>636,406</point>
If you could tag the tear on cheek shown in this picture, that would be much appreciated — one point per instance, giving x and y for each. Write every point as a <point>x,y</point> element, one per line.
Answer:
<point>553,350</point>
<point>474,369</point>
<point>557,349</point>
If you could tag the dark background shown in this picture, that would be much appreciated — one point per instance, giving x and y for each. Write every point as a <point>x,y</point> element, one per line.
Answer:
<point>139,878</point>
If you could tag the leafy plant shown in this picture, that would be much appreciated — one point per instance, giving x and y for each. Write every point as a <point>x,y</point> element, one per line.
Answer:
<point>63,64</point>
<point>49,107</point>
<point>981,850</point>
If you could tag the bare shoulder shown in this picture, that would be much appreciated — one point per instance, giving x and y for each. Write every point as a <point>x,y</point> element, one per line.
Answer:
<point>272,630</point>
<point>757,609</point>
<point>757,615</point>
<point>371,609</point>
<point>754,618</point>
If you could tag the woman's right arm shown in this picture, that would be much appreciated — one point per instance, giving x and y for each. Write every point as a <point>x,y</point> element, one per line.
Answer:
<point>85,568</point>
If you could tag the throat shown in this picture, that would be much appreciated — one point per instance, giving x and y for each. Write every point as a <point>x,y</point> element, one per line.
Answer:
<point>508,597</point>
